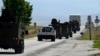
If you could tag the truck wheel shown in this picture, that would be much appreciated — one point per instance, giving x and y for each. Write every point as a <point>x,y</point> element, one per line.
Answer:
<point>60,37</point>
<point>18,51</point>
<point>39,39</point>
<point>70,34</point>
<point>66,37</point>
<point>53,39</point>
<point>74,31</point>
<point>20,48</point>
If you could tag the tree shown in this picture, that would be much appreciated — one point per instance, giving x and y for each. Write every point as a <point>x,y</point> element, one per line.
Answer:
<point>21,9</point>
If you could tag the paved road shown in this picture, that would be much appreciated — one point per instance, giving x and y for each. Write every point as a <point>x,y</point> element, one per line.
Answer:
<point>31,45</point>
<point>68,48</point>
<point>62,47</point>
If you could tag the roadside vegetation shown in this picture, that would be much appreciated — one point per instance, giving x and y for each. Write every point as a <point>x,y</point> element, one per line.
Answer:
<point>95,36</point>
<point>86,35</point>
<point>32,31</point>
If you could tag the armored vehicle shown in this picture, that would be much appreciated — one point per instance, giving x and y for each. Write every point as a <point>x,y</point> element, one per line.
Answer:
<point>11,32</point>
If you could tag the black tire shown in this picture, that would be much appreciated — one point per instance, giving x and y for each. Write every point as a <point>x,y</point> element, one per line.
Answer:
<point>74,31</point>
<point>53,39</point>
<point>66,37</point>
<point>18,51</point>
<point>20,48</point>
<point>70,34</point>
<point>39,39</point>
<point>60,37</point>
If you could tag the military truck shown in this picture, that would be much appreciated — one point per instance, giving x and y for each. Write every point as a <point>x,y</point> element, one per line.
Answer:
<point>70,28</point>
<point>62,29</point>
<point>75,17</point>
<point>57,27</point>
<point>11,32</point>
<point>76,22</point>
<point>75,26</point>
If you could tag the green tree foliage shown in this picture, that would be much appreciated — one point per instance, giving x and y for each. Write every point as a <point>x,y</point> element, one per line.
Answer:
<point>21,9</point>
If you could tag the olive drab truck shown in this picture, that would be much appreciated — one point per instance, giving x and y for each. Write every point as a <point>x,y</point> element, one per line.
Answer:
<point>11,32</point>
<point>56,26</point>
<point>76,22</point>
<point>62,29</point>
<point>70,29</point>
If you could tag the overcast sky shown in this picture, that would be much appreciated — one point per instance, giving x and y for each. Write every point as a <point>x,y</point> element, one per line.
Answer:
<point>45,10</point>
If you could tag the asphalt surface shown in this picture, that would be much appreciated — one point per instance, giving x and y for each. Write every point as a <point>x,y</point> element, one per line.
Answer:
<point>68,48</point>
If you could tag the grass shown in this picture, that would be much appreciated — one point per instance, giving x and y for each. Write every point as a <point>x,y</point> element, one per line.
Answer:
<point>32,31</point>
<point>29,36</point>
<point>95,36</point>
<point>96,44</point>
<point>86,35</point>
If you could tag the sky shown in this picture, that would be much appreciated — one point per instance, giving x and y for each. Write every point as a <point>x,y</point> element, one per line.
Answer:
<point>45,10</point>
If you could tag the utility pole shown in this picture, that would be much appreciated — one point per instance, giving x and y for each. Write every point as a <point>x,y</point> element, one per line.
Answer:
<point>89,21</point>
<point>35,25</point>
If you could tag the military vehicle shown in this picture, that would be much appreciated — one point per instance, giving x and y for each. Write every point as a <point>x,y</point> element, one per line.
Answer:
<point>11,32</point>
<point>70,27</point>
<point>75,26</point>
<point>76,22</point>
<point>57,27</point>
<point>62,29</point>
<point>75,17</point>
